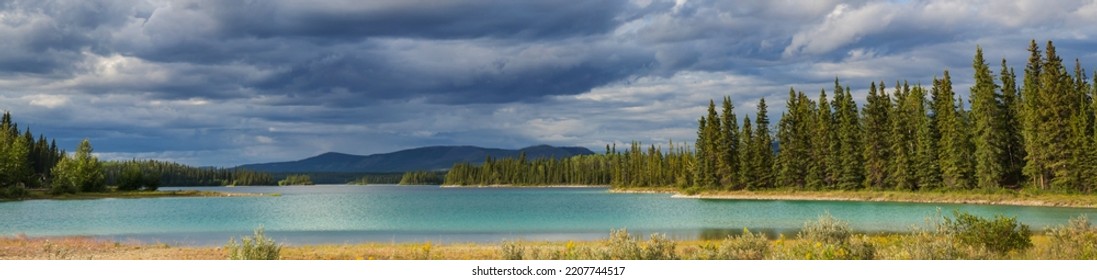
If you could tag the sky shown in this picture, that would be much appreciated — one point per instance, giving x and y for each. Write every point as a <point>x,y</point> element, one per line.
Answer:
<point>224,83</point>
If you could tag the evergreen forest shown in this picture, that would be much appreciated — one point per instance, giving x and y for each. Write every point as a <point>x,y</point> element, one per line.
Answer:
<point>1008,132</point>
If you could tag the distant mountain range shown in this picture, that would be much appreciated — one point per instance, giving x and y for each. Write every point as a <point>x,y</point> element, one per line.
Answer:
<point>425,158</point>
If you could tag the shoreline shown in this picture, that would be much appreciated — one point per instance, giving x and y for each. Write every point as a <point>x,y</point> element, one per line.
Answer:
<point>41,195</point>
<point>523,186</point>
<point>1011,199</point>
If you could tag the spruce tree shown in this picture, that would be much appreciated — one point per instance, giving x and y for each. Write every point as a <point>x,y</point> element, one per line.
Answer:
<point>902,170</point>
<point>1031,99</point>
<point>1054,109</point>
<point>712,147</point>
<point>877,128</point>
<point>825,157</point>
<point>926,165</point>
<point>705,170</point>
<point>748,159</point>
<point>849,152</point>
<point>729,145</point>
<point>989,135</point>
<point>1011,113</point>
<point>763,146</point>
<point>954,144</point>
<point>1081,135</point>
<point>793,142</point>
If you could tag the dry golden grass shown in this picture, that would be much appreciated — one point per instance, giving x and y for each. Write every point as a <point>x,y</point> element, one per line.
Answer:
<point>82,248</point>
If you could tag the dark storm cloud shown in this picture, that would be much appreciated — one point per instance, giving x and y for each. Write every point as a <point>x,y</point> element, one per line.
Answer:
<point>463,19</point>
<point>229,82</point>
<point>524,74</point>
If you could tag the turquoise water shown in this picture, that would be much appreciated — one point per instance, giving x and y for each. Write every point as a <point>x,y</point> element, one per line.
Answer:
<point>339,214</point>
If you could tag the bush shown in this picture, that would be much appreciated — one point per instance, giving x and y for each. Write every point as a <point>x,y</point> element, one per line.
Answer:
<point>826,229</point>
<point>513,251</point>
<point>13,192</point>
<point>747,246</point>
<point>257,247</point>
<point>1077,240</point>
<point>1000,235</point>
<point>830,239</point>
<point>927,245</point>
<point>659,247</point>
<point>622,246</point>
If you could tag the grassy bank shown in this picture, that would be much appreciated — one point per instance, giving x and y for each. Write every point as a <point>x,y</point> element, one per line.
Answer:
<point>43,194</point>
<point>1025,197</point>
<point>961,237</point>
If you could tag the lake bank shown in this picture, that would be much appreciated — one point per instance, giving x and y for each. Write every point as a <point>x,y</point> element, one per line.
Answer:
<point>45,195</point>
<point>1012,198</point>
<point>524,186</point>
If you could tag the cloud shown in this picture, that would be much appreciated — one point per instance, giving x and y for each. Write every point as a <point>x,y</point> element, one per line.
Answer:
<point>48,101</point>
<point>232,82</point>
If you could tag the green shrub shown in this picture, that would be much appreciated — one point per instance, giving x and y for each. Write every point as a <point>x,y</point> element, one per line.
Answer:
<point>1075,240</point>
<point>257,247</point>
<point>623,246</point>
<point>747,246</point>
<point>659,247</point>
<point>829,239</point>
<point>926,245</point>
<point>1000,235</point>
<point>826,229</point>
<point>14,192</point>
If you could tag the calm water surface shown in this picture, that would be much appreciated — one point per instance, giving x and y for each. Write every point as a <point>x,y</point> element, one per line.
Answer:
<point>382,213</point>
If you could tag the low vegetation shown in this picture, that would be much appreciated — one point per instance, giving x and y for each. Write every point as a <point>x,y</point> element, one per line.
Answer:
<point>256,247</point>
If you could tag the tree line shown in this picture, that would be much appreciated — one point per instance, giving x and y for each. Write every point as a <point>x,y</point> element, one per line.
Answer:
<point>25,162</point>
<point>422,178</point>
<point>296,180</point>
<point>1040,134</point>
<point>377,178</point>
<point>520,171</point>
<point>28,163</point>
<point>176,174</point>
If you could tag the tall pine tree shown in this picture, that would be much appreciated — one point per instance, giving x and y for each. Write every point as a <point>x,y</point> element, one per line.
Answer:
<point>763,146</point>
<point>825,157</point>
<point>748,159</point>
<point>1032,99</point>
<point>849,151</point>
<point>954,146</point>
<point>989,135</point>
<point>793,142</point>
<point>729,145</point>
<point>875,138</point>
<point>1011,113</point>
